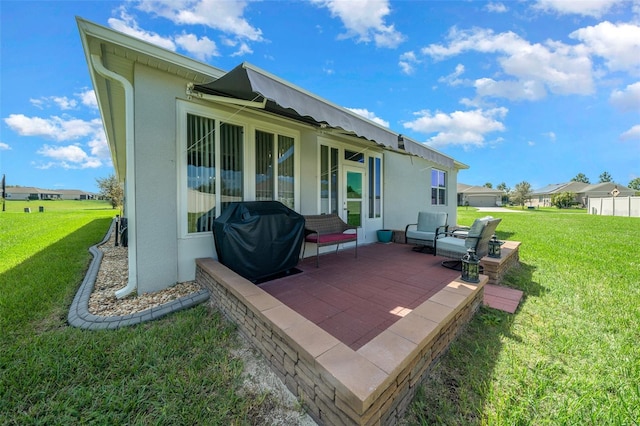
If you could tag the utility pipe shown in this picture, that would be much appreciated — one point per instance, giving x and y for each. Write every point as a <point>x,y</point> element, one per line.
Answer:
<point>96,61</point>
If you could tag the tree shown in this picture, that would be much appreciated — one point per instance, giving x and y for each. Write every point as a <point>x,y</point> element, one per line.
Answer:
<point>605,177</point>
<point>488,185</point>
<point>522,193</point>
<point>111,189</point>
<point>635,184</point>
<point>506,190</point>
<point>580,177</point>
<point>563,200</point>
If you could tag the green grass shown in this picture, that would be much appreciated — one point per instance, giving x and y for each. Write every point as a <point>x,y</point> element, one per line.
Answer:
<point>570,354</point>
<point>174,371</point>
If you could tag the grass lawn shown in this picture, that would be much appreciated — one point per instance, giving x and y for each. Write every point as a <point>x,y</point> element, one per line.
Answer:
<point>568,356</point>
<point>174,371</point>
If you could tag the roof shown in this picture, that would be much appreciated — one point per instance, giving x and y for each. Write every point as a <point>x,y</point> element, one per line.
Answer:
<point>30,190</point>
<point>119,52</point>
<point>582,188</point>
<point>478,190</point>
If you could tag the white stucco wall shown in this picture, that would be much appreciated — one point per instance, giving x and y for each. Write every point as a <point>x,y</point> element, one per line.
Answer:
<point>155,178</point>
<point>407,190</point>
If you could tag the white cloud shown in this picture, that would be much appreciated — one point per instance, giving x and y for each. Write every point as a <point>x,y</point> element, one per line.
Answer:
<point>452,79</point>
<point>616,43</point>
<point>62,102</point>
<point>595,8</point>
<point>408,61</point>
<point>627,99</point>
<point>201,48</point>
<point>88,98</point>
<point>560,68</point>
<point>365,20</point>
<point>128,25</point>
<point>530,90</point>
<point>531,143</point>
<point>56,128</point>
<point>467,128</point>
<point>68,157</point>
<point>370,115</point>
<point>225,16</point>
<point>243,49</point>
<point>550,135</point>
<point>65,129</point>
<point>4,146</point>
<point>632,134</point>
<point>496,7</point>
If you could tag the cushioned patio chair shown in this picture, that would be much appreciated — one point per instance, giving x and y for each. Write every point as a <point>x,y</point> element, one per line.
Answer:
<point>424,233</point>
<point>477,237</point>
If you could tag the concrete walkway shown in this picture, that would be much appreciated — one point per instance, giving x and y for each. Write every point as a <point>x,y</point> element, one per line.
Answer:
<point>498,210</point>
<point>80,317</point>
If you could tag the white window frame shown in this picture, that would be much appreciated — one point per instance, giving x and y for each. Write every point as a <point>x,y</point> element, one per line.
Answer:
<point>434,185</point>
<point>250,125</point>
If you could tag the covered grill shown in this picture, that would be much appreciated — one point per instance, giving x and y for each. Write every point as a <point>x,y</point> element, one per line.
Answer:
<point>258,239</point>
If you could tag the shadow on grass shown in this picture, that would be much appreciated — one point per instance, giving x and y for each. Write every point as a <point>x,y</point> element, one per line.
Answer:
<point>456,388</point>
<point>44,284</point>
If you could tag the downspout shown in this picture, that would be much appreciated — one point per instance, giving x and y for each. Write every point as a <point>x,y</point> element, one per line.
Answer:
<point>96,61</point>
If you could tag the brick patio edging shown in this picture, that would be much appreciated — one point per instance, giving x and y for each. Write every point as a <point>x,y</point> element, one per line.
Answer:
<point>339,386</point>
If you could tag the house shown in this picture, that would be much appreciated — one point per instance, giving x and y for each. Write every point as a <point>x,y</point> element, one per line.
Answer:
<point>479,196</point>
<point>187,139</point>
<point>76,194</point>
<point>583,191</point>
<point>30,193</point>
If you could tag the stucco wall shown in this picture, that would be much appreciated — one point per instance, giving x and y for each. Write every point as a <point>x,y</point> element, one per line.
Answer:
<point>155,178</point>
<point>407,190</point>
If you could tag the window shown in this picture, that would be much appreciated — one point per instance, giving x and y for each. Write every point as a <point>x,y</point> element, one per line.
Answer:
<point>358,157</point>
<point>268,166</point>
<point>202,175</point>
<point>438,187</point>
<point>375,187</point>
<point>231,164</point>
<point>328,180</point>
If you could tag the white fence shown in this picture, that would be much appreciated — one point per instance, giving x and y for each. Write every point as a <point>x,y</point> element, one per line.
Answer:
<point>615,206</point>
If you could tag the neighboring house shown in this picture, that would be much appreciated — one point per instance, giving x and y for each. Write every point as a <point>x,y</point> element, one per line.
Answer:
<point>583,191</point>
<point>187,139</point>
<point>479,196</point>
<point>76,194</point>
<point>29,193</point>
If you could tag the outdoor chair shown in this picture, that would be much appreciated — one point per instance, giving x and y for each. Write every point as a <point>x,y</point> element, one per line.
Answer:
<point>424,233</point>
<point>477,238</point>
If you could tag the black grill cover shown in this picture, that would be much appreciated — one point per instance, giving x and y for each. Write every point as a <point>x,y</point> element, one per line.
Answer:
<point>258,239</point>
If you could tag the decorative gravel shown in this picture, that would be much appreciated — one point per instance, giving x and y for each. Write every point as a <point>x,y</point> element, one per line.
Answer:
<point>113,275</point>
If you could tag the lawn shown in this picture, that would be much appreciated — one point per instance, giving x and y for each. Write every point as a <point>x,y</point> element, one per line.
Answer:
<point>178,370</point>
<point>568,356</point>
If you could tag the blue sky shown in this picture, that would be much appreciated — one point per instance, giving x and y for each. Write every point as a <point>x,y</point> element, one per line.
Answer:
<point>520,91</point>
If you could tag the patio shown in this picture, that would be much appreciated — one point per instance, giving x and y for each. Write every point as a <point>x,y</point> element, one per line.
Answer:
<point>353,338</point>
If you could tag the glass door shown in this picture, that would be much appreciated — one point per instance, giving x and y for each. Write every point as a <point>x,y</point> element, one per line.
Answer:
<point>354,196</point>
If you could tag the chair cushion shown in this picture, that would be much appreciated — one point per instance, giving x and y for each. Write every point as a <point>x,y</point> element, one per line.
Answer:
<point>429,221</point>
<point>419,235</point>
<point>452,244</point>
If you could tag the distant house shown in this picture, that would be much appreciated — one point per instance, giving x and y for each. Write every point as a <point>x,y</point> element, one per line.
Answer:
<point>583,191</point>
<point>31,193</point>
<point>479,196</point>
<point>76,194</point>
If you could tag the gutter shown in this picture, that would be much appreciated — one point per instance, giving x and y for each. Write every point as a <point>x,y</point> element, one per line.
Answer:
<point>96,62</point>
